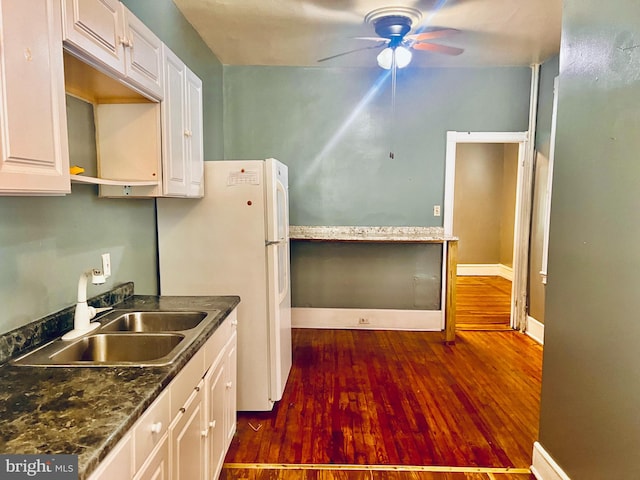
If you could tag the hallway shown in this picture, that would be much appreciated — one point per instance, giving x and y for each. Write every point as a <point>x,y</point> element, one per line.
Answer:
<point>483,303</point>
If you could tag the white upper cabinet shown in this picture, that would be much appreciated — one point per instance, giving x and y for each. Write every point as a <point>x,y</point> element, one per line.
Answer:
<point>143,54</point>
<point>195,141</point>
<point>173,137</point>
<point>182,130</point>
<point>107,35</point>
<point>94,27</point>
<point>33,129</point>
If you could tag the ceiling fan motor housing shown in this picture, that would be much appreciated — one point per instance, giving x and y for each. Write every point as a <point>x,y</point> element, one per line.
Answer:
<point>393,27</point>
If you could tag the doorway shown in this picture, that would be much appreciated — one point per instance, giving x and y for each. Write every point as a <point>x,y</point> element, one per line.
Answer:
<point>522,216</point>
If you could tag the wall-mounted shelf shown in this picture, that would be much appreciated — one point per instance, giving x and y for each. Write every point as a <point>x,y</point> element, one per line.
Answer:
<point>117,183</point>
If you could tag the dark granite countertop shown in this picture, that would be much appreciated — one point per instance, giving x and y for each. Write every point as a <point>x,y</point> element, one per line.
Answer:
<point>87,410</point>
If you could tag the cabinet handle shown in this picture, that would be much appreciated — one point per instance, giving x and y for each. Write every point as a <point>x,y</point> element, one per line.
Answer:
<point>156,427</point>
<point>229,385</point>
<point>197,389</point>
<point>188,133</point>
<point>212,424</point>
<point>204,433</point>
<point>234,322</point>
<point>125,41</point>
<point>182,410</point>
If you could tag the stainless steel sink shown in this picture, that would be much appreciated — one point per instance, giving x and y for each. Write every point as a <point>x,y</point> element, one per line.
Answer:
<point>153,321</point>
<point>105,348</point>
<point>125,338</point>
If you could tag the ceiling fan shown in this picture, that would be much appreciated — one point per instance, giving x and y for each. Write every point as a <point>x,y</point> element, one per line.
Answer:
<point>393,24</point>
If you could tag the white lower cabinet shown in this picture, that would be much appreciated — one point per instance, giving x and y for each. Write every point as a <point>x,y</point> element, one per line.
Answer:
<point>187,430</point>
<point>220,384</point>
<point>188,434</point>
<point>157,465</point>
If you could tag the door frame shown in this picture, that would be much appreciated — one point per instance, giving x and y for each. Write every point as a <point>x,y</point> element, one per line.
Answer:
<point>523,208</point>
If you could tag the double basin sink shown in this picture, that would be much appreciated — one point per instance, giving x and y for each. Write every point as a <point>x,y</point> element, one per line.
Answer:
<point>125,338</point>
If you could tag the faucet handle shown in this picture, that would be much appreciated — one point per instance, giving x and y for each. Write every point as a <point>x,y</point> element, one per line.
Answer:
<point>93,311</point>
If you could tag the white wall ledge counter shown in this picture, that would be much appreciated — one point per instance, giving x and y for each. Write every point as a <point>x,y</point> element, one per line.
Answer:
<point>369,234</point>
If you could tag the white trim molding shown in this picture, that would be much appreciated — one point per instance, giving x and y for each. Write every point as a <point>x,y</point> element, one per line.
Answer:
<point>523,198</point>
<point>535,329</point>
<point>544,466</point>
<point>485,269</point>
<point>367,319</point>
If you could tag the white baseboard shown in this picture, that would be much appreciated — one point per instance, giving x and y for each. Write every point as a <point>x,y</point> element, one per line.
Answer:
<point>544,467</point>
<point>485,269</point>
<point>535,330</point>
<point>505,272</point>
<point>367,319</point>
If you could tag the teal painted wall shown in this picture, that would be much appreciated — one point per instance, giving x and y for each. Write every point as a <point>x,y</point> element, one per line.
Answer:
<point>46,242</point>
<point>168,23</point>
<point>335,131</point>
<point>589,420</point>
<point>334,128</point>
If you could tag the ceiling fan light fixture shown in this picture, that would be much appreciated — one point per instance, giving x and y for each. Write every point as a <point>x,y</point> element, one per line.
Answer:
<point>385,58</point>
<point>402,55</point>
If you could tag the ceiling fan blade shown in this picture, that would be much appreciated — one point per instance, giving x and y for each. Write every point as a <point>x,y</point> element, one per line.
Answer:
<point>381,44</point>
<point>431,34</point>
<point>373,39</point>
<point>434,47</point>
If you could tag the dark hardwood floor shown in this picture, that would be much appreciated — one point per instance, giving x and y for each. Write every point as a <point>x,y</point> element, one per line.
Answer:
<point>397,405</point>
<point>260,472</point>
<point>483,303</point>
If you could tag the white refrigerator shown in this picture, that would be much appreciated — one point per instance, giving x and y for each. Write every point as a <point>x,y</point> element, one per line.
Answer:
<point>235,241</point>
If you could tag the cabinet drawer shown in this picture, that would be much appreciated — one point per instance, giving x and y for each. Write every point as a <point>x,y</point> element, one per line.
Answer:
<point>183,385</point>
<point>214,347</point>
<point>150,428</point>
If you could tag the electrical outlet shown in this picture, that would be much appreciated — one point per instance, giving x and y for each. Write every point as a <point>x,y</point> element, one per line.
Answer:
<point>106,264</point>
<point>436,210</point>
<point>363,321</point>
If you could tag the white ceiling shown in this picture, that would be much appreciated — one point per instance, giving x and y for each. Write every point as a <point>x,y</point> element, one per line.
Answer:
<point>299,32</point>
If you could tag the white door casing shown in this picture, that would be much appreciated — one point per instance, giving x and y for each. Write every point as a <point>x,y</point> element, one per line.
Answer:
<point>523,207</point>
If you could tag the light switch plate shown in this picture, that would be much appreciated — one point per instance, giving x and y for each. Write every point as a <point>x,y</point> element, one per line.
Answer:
<point>436,210</point>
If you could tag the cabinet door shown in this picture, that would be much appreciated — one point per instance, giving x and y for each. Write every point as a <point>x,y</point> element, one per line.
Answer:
<point>118,463</point>
<point>195,154</point>
<point>94,28</point>
<point>216,393</point>
<point>188,435</point>
<point>174,172</point>
<point>231,362</point>
<point>143,55</point>
<point>33,120</point>
<point>157,465</point>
